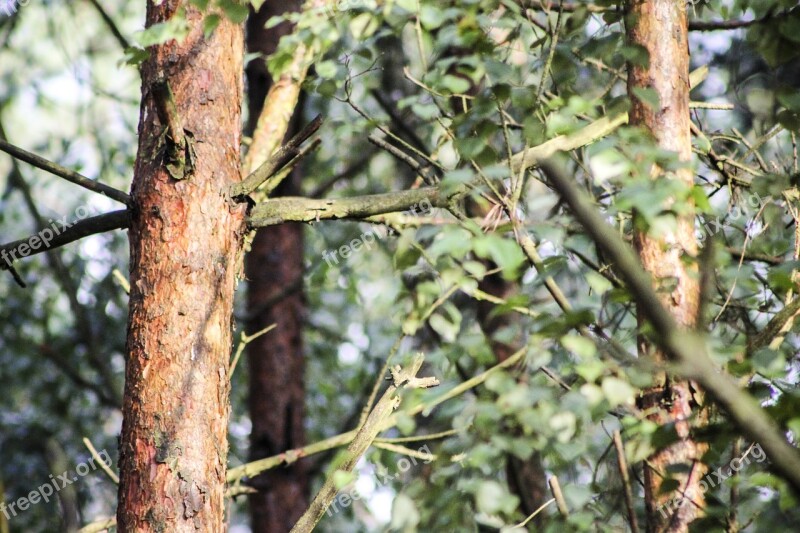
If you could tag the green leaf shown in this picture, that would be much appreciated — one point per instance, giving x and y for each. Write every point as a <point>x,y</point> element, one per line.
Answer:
<point>648,97</point>
<point>236,12</point>
<point>492,498</point>
<point>443,327</point>
<point>618,392</point>
<point>405,515</point>
<point>455,84</point>
<point>326,69</point>
<point>504,252</point>
<point>175,28</point>
<point>342,478</point>
<point>210,23</point>
<point>363,25</point>
<point>580,346</point>
<point>431,17</point>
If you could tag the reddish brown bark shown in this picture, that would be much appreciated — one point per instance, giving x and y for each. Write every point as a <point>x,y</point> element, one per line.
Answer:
<point>274,270</point>
<point>185,236</point>
<point>660,27</point>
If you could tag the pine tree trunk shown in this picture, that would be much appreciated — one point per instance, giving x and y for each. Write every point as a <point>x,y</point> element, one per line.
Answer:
<point>185,237</point>
<point>276,363</point>
<point>660,27</point>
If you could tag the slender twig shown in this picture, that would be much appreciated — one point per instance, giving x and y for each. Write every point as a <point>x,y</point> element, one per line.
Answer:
<point>277,178</point>
<point>236,474</point>
<point>279,159</point>
<point>550,55</point>
<point>112,26</point>
<point>417,438</point>
<point>96,456</point>
<point>536,512</point>
<point>404,157</point>
<point>626,481</point>
<point>398,121</point>
<point>775,327</point>
<point>62,172</point>
<point>298,209</point>
<point>243,342</point>
<point>555,488</point>
<point>122,280</point>
<point>403,450</point>
<point>79,230</point>
<point>379,381</point>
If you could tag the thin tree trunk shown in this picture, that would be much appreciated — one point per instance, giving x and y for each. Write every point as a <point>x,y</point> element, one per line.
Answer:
<point>185,237</point>
<point>526,478</point>
<point>274,270</point>
<point>660,27</point>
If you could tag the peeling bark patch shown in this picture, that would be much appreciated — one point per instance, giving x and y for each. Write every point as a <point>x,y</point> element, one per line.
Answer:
<point>194,497</point>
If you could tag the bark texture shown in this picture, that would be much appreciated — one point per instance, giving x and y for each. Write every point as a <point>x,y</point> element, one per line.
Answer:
<point>660,27</point>
<point>185,237</point>
<point>274,270</point>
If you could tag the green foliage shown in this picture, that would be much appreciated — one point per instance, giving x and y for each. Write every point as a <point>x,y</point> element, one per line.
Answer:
<point>469,83</point>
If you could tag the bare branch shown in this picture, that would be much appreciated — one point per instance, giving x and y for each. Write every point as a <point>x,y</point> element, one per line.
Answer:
<point>298,209</point>
<point>64,173</point>
<point>374,424</point>
<point>112,26</point>
<point>90,226</point>
<point>775,326</point>
<point>279,159</point>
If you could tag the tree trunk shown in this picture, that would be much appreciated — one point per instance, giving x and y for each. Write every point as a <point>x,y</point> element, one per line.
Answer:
<point>185,237</point>
<point>526,478</point>
<point>274,270</point>
<point>660,27</point>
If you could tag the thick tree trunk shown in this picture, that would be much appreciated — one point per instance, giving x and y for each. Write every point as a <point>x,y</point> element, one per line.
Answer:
<point>660,27</point>
<point>274,270</point>
<point>185,236</point>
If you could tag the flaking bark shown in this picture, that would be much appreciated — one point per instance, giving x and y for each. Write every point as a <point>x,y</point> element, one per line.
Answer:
<point>184,237</point>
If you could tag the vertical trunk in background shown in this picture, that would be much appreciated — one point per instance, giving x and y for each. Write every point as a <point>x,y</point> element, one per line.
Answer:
<point>185,237</point>
<point>660,27</point>
<point>526,478</point>
<point>274,270</point>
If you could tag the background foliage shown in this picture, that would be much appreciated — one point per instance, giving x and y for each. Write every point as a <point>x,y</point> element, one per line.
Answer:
<point>467,83</point>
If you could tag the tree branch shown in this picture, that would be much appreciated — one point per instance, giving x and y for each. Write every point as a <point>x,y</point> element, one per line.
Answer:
<point>280,158</point>
<point>775,326</point>
<point>686,348</point>
<point>83,228</point>
<point>64,173</point>
<point>298,209</point>
<point>112,26</point>
<point>375,423</point>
